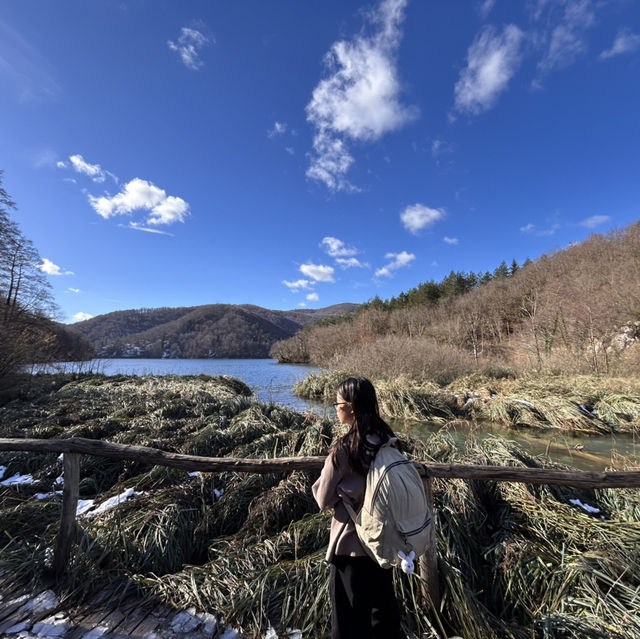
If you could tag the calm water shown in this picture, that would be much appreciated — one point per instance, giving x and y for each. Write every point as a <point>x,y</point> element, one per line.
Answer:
<point>268,380</point>
<point>274,382</point>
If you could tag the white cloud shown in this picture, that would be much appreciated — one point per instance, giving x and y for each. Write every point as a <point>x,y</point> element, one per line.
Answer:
<point>94,171</point>
<point>190,43</point>
<point>138,227</point>
<point>313,297</point>
<point>450,240</point>
<point>595,220</point>
<point>492,60</point>
<point>440,147</point>
<point>486,7</point>
<point>50,268</point>
<point>279,128</point>
<point>318,272</point>
<point>398,260</point>
<point>302,304</point>
<point>418,216</point>
<point>73,290</point>
<point>290,150</point>
<point>625,42</point>
<point>566,41</point>
<point>61,165</point>
<point>80,317</point>
<point>359,99</point>
<point>337,248</point>
<point>294,287</point>
<point>143,195</point>
<point>531,229</point>
<point>350,262</point>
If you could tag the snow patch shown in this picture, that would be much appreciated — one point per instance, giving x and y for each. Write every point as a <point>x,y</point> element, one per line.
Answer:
<point>195,473</point>
<point>112,502</point>
<point>84,505</point>
<point>218,492</point>
<point>589,509</point>
<point>47,495</point>
<point>54,626</point>
<point>18,480</point>
<point>3,470</point>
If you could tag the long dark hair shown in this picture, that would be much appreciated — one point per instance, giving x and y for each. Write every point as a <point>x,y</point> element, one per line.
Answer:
<point>361,394</point>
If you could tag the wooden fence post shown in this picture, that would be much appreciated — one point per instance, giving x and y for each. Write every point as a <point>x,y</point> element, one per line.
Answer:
<point>67,530</point>
<point>428,563</point>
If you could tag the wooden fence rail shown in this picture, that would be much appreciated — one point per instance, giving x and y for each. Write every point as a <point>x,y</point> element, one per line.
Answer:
<point>73,447</point>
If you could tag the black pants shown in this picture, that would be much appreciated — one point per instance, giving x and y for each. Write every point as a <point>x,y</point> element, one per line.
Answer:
<point>363,603</point>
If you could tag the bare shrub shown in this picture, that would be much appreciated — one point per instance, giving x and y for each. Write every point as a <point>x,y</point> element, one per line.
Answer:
<point>395,356</point>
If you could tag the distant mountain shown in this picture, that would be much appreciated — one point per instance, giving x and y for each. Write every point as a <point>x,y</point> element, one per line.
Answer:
<point>212,331</point>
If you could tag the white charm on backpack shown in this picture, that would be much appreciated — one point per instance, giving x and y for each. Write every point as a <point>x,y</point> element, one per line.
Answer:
<point>406,562</point>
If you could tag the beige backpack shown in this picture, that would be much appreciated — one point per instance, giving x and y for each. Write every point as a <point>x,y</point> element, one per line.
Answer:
<point>395,515</point>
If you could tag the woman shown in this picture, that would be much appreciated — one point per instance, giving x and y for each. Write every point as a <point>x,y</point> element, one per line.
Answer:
<point>362,598</point>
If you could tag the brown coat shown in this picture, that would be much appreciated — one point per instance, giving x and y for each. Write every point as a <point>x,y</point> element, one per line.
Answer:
<point>335,485</point>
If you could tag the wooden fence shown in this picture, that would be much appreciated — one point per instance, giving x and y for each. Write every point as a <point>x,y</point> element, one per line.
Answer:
<point>74,447</point>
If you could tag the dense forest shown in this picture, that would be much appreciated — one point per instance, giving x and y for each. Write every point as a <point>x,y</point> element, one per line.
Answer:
<point>211,331</point>
<point>576,310</point>
<point>27,331</point>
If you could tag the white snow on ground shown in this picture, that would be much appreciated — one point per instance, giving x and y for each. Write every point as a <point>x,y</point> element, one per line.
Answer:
<point>18,480</point>
<point>589,509</point>
<point>230,633</point>
<point>195,473</point>
<point>218,492</point>
<point>54,626</point>
<point>3,470</point>
<point>47,495</point>
<point>60,480</point>
<point>84,505</point>
<point>112,502</point>
<point>187,621</point>
<point>289,634</point>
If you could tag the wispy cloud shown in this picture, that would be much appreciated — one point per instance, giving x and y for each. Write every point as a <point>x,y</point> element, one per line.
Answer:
<point>492,60</point>
<point>313,297</point>
<point>142,195</point>
<point>532,229</point>
<point>398,260</point>
<point>94,171</point>
<point>24,71</point>
<point>189,45</point>
<point>279,128</point>
<point>139,227</point>
<point>595,220</point>
<point>50,268</point>
<point>418,216</point>
<point>485,8</point>
<point>450,240</point>
<point>567,40</point>
<point>350,262</point>
<point>625,42</point>
<point>80,317</point>
<point>318,272</point>
<point>360,98</point>
<point>337,248</point>
<point>73,290</point>
<point>294,287</point>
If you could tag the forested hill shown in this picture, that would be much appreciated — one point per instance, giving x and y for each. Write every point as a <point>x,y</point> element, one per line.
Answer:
<point>211,331</point>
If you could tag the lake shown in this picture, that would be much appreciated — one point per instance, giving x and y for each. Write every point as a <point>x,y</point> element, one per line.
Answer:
<point>273,382</point>
<point>270,381</point>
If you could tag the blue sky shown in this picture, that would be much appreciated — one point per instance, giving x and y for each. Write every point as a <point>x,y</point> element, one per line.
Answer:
<point>306,153</point>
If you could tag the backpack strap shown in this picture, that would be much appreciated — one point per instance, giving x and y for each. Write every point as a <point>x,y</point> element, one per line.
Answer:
<point>350,510</point>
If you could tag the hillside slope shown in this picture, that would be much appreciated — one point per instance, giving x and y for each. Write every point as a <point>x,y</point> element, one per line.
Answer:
<point>211,331</point>
<point>575,310</point>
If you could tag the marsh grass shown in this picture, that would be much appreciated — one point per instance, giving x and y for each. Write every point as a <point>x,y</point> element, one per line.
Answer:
<point>579,404</point>
<point>516,561</point>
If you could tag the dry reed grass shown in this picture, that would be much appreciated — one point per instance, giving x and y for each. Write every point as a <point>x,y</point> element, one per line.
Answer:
<point>516,561</point>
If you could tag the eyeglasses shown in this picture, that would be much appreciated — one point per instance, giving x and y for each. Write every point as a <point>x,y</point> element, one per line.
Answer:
<point>336,404</point>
